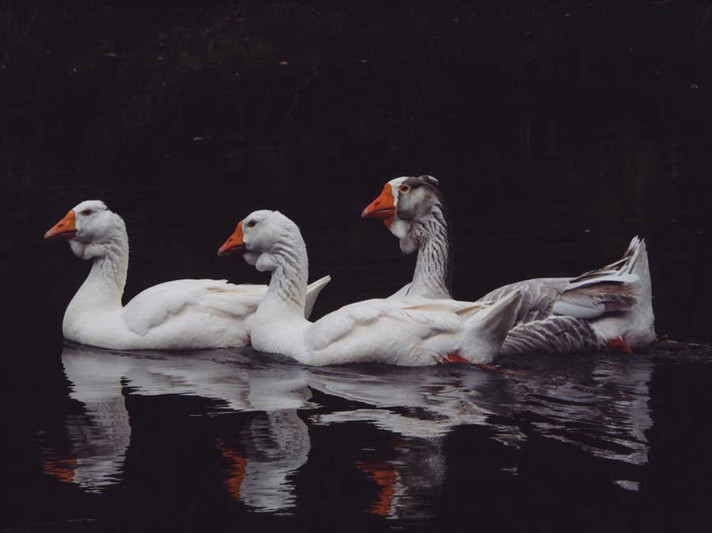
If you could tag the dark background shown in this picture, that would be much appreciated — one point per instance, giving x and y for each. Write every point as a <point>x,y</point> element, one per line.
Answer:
<point>558,129</point>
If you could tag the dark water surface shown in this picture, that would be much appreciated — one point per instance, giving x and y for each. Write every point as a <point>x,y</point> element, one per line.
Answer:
<point>558,130</point>
<point>229,439</point>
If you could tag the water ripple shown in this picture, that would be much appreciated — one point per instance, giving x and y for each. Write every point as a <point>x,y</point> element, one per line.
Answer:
<point>597,404</point>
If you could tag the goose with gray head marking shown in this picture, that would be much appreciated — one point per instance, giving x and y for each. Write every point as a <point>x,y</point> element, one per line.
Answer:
<point>414,333</point>
<point>608,307</point>
<point>177,315</point>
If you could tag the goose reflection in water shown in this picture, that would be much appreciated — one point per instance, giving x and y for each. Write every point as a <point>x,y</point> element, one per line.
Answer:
<point>100,437</point>
<point>597,403</point>
<point>421,406</point>
<point>261,457</point>
<point>274,445</point>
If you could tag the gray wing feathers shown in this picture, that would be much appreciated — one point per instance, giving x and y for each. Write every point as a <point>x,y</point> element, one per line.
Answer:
<point>538,297</point>
<point>607,289</point>
<point>593,300</point>
<point>554,335</point>
<point>554,312</point>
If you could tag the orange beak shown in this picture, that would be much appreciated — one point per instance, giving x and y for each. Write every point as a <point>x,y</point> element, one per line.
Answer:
<point>234,244</point>
<point>64,228</point>
<point>382,207</point>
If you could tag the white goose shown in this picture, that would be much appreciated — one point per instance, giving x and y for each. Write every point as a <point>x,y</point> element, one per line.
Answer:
<point>177,315</point>
<point>421,332</point>
<point>608,307</point>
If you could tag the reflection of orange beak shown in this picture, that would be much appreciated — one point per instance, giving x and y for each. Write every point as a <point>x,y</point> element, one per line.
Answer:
<point>64,228</point>
<point>235,244</point>
<point>236,472</point>
<point>385,476</point>
<point>382,207</point>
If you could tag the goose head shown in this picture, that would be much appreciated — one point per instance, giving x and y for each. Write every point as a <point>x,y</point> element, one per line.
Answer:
<point>91,229</point>
<point>261,235</point>
<point>403,201</point>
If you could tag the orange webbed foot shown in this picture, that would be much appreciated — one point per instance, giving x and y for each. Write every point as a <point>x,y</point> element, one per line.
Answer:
<point>619,344</point>
<point>455,358</point>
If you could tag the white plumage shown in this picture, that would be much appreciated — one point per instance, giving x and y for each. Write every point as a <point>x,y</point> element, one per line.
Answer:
<point>182,314</point>
<point>417,332</point>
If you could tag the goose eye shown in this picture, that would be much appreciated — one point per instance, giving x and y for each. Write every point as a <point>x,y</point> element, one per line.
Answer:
<point>251,223</point>
<point>404,188</point>
<point>86,212</point>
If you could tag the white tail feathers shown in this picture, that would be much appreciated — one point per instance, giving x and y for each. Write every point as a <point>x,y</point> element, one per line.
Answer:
<point>487,329</point>
<point>635,242</point>
<point>638,258</point>
<point>637,266</point>
<point>633,263</point>
<point>642,330</point>
<point>629,275</point>
<point>313,291</point>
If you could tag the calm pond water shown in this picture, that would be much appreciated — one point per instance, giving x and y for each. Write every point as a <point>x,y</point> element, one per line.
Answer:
<point>230,439</point>
<point>558,130</point>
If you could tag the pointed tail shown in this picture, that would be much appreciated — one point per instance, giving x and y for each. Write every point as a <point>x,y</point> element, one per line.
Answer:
<point>624,285</point>
<point>636,257</point>
<point>642,330</point>
<point>487,329</point>
<point>313,291</point>
<point>620,268</point>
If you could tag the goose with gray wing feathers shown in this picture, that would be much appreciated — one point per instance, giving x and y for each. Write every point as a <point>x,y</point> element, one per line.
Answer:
<point>607,307</point>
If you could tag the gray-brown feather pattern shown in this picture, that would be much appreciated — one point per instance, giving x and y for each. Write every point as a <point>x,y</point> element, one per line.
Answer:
<point>439,228</point>
<point>538,297</point>
<point>554,335</point>
<point>614,296</point>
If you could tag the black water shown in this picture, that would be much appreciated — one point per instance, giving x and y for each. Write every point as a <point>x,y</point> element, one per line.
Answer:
<point>223,439</point>
<point>558,131</point>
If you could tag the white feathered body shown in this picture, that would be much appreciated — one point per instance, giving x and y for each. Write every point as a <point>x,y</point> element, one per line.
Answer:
<point>177,315</point>
<point>421,332</point>
<point>414,333</point>
<point>183,314</point>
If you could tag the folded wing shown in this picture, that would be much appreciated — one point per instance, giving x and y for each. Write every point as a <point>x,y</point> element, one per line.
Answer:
<point>424,317</point>
<point>157,305</point>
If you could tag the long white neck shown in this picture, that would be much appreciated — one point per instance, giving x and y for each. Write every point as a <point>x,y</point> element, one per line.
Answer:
<point>105,283</point>
<point>287,289</point>
<point>432,277</point>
